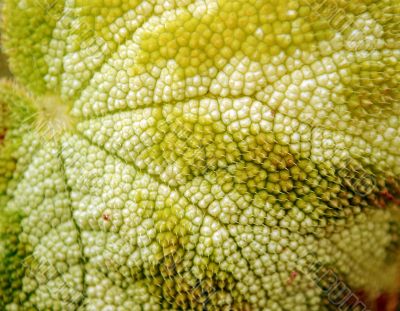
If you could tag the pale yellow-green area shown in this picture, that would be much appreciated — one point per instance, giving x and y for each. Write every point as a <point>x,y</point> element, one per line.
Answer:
<point>178,155</point>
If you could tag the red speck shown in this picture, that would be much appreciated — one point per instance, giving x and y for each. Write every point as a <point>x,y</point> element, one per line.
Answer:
<point>3,135</point>
<point>292,277</point>
<point>106,217</point>
<point>389,197</point>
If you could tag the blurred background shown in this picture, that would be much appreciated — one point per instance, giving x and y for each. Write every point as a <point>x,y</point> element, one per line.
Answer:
<point>4,72</point>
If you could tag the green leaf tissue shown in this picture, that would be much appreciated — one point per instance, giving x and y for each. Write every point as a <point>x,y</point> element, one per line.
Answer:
<point>199,154</point>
